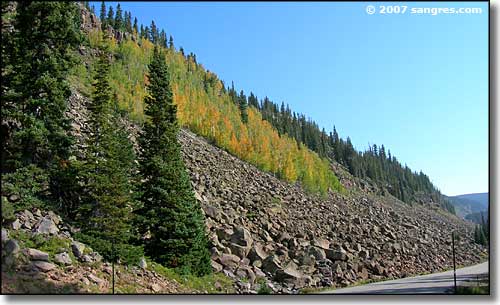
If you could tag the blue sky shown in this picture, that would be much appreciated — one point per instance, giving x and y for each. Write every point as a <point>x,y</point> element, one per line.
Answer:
<point>416,83</point>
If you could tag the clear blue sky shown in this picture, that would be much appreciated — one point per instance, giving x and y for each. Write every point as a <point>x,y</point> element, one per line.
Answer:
<point>416,83</point>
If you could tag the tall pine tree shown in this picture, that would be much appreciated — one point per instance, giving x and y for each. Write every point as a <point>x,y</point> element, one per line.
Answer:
<point>107,170</point>
<point>37,58</point>
<point>170,212</point>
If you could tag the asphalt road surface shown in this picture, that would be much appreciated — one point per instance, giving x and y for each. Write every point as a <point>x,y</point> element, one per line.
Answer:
<point>436,283</point>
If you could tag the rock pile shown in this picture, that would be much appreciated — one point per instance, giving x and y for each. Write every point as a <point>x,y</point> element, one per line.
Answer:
<point>260,226</point>
<point>264,231</point>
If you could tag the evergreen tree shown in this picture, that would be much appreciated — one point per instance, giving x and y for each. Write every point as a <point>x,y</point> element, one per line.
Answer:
<point>154,32</point>
<point>107,171</point>
<point>171,43</point>
<point>128,22</point>
<point>142,34</point>
<point>110,21</point>
<point>119,25</point>
<point>170,211</point>
<point>243,104</point>
<point>136,29</point>
<point>102,16</point>
<point>37,57</point>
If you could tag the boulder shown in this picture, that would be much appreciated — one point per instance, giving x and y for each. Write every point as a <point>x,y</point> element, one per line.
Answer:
<point>46,226</point>
<point>212,212</point>
<point>11,247</point>
<point>142,263</point>
<point>42,266</point>
<point>5,235</point>
<point>229,260</point>
<point>216,266</point>
<point>16,225</point>
<point>257,253</point>
<point>290,274</point>
<point>321,243</point>
<point>94,279</point>
<point>238,250</point>
<point>54,217</point>
<point>336,255</point>
<point>77,248</point>
<point>37,255</point>
<point>242,237</point>
<point>271,264</point>
<point>224,233</point>
<point>63,259</point>
<point>318,253</point>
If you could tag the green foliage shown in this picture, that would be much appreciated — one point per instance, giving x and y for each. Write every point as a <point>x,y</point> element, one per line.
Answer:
<point>170,212</point>
<point>482,233</point>
<point>211,283</point>
<point>34,87</point>
<point>28,183</point>
<point>208,109</point>
<point>263,287</point>
<point>7,211</point>
<point>127,253</point>
<point>106,172</point>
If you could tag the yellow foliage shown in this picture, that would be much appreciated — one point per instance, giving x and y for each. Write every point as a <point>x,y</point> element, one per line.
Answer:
<point>205,108</point>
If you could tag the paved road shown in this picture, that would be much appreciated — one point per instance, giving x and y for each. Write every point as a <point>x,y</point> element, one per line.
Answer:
<point>436,283</point>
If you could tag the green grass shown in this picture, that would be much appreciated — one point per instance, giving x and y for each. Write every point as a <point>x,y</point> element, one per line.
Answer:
<point>204,284</point>
<point>473,289</point>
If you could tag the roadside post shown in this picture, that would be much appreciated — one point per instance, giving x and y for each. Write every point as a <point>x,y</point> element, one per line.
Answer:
<point>454,264</point>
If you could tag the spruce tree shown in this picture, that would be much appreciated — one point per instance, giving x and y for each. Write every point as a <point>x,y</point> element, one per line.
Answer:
<point>170,212</point>
<point>111,17</point>
<point>107,171</point>
<point>37,57</point>
<point>102,16</point>
<point>243,105</point>
<point>136,28</point>
<point>171,43</point>
<point>119,23</point>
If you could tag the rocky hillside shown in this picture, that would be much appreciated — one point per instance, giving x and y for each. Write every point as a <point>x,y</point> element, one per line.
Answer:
<point>264,229</point>
<point>39,255</point>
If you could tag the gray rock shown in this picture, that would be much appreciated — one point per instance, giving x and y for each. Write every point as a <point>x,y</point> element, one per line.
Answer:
<point>142,263</point>
<point>94,279</point>
<point>212,212</point>
<point>46,226</point>
<point>242,237</point>
<point>16,225</point>
<point>229,260</point>
<point>216,266</point>
<point>54,217</point>
<point>63,259</point>
<point>77,248</point>
<point>5,235</point>
<point>257,253</point>
<point>271,264</point>
<point>14,198</point>
<point>224,233</point>
<point>43,266</point>
<point>318,253</point>
<point>321,243</point>
<point>37,255</point>
<point>238,250</point>
<point>336,255</point>
<point>11,247</point>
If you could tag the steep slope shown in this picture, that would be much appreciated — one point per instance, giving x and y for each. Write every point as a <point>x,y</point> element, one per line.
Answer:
<point>264,229</point>
<point>40,255</point>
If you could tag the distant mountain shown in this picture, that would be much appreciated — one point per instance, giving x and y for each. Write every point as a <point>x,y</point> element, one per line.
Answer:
<point>477,217</point>
<point>469,203</point>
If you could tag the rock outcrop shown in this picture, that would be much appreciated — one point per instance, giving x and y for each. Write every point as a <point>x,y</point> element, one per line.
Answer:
<point>262,227</point>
